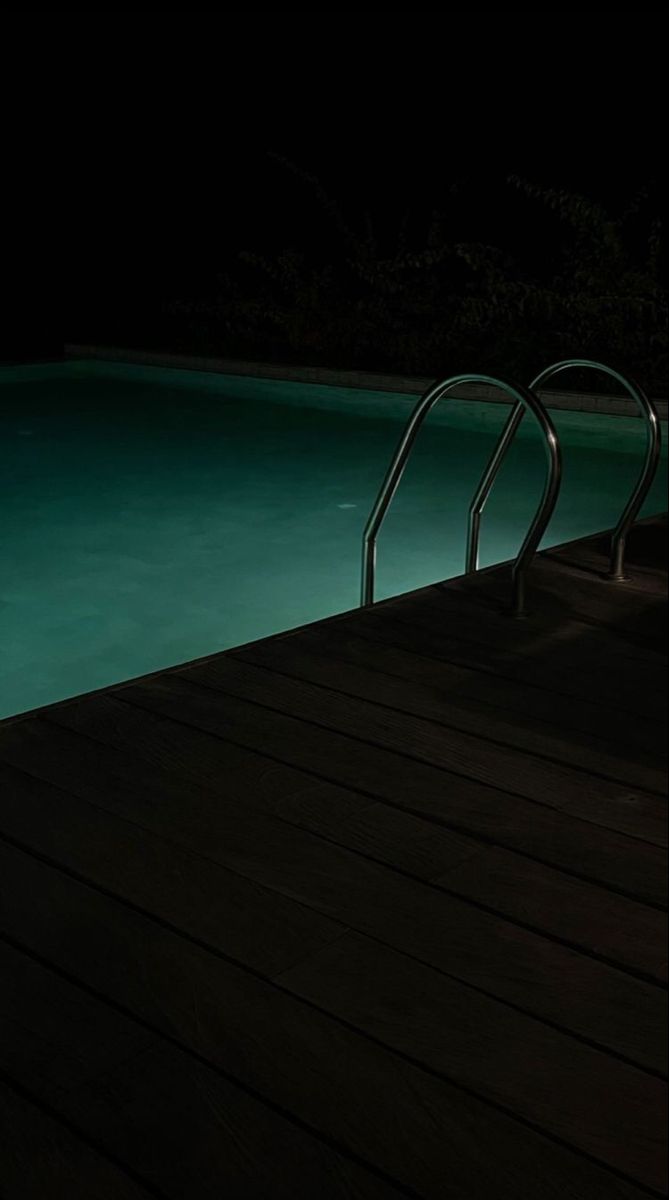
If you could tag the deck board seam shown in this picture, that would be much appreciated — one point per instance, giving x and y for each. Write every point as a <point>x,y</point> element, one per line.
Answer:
<point>440,724</point>
<point>444,597</point>
<point>408,622</point>
<point>384,1048</point>
<point>528,927</point>
<point>163,1036</point>
<point>163,922</point>
<point>446,771</point>
<point>475,705</point>
<point>416,652</point>
<point>81,1135</point>
<point>376,798</point>
<point>516,680</point>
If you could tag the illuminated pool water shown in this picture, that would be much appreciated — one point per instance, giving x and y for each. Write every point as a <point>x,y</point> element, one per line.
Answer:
<point>152,516</point>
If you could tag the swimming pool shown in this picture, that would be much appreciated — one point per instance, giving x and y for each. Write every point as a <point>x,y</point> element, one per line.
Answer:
<point>153,515</point>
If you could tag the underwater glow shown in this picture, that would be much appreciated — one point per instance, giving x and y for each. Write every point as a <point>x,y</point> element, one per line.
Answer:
<point>152,516</point>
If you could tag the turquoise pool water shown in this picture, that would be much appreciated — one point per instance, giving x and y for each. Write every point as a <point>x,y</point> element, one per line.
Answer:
<point>152,516</point>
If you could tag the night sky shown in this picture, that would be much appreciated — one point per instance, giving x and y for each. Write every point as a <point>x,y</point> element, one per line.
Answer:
<point>139,146</point>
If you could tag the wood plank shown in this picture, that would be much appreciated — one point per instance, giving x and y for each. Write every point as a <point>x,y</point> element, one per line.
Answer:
<point>478,606</point>
<point>645,554</point>
<point>349,665</point>
<point>611,805</point>
<point>457,668</point>
<point>544,979</point>
<point>632,615</point>
<point>181,1125</point>
<point>40,1159</point>
<point>627,865</point>
<point>621,933</point>
<point>420,1015</point>
<point>276,1045</point>
<point>269,932</point>
<point>536,671</point>
<point>480,616</point>
<point>593,566</point>
<point>615,684</point>
<point>645,561</point>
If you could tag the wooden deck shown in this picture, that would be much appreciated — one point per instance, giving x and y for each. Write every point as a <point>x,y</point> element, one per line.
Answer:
<point>372,909</point>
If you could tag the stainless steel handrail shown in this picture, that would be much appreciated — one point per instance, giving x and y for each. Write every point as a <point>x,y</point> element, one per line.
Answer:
<point>641,488</point>
<point>524,398</point>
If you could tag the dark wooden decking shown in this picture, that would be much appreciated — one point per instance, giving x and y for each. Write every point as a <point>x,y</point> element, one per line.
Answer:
<point>372,909</point>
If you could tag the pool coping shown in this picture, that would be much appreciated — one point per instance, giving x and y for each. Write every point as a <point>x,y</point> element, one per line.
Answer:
<point>370,381</point>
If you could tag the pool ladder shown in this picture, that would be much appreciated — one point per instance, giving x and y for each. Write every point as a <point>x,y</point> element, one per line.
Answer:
<point>525,399</point>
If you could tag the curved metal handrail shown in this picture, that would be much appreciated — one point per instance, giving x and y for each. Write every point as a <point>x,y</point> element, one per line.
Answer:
<point>523,397</point>
<point>641,488</point>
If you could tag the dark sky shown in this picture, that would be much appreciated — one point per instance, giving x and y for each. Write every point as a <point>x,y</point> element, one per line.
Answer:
<point>138,142</point>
